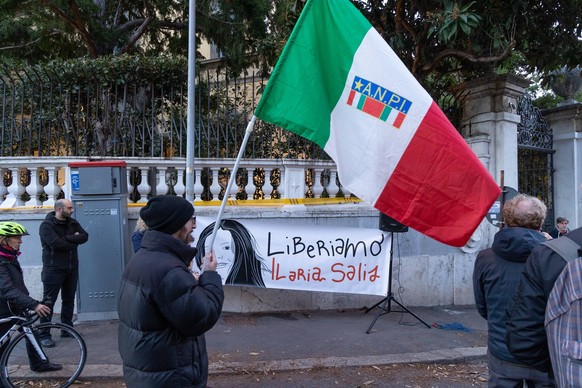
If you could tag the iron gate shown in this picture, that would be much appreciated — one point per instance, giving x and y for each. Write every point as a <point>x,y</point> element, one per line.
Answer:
<point>535,156</point>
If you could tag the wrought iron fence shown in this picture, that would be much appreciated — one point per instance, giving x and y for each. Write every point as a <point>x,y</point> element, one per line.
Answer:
<point>43,116</point>
<point>535,158</point>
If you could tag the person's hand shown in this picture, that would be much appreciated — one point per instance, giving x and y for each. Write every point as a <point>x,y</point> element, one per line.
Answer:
<point>547,235</point>
<point>196,275</point>
<point>210,261</point>
<point>42,310</point>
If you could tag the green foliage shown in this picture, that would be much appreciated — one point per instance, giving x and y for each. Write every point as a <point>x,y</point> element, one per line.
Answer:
<point>452,20</point>
<point>108,70</point>
<point>472,38</point>
<point>41,30</point>
<point>543,96</point>
<point>433,37</point>
<point>134,106</point>
<point>547,101</point>
<point>443,42</point>
<point>117,105</point>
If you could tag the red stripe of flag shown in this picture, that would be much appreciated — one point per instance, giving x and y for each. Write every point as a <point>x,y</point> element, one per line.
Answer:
<point>439,186</point>
<point>373,107</point>
<point>351,97</point>
<point>399,119</point>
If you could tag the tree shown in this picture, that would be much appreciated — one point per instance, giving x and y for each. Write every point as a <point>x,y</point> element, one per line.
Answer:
<point>47,29</point>
<point>434,38</point>
<point>445,36</point>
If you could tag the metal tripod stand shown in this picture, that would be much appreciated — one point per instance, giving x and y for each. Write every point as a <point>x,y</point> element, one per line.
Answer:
<point>386,303</point>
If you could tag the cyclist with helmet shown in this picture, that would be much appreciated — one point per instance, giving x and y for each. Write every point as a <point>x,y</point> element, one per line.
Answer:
<point>14,297</point>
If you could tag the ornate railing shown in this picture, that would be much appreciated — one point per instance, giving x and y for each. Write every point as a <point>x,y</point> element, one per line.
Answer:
<point>40,181</point>
<point>44,115</point>
<point>535,156</point>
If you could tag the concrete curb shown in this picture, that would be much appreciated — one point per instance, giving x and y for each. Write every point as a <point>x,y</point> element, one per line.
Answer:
<point>443,355</point>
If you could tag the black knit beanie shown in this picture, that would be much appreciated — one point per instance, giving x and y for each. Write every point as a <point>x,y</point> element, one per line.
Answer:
<point>166,213</point>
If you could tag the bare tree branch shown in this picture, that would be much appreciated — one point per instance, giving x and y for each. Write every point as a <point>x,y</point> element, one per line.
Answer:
<point>29,43</point>
<point>469,57</point>
<point>138,33</point>
<point>76,23</point>
<point>160,23</point>
<point>118,12</point>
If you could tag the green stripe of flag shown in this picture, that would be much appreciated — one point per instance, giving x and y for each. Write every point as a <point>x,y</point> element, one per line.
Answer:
<point>361,102</point>
<point>311,72</point>
<point>385,113</point>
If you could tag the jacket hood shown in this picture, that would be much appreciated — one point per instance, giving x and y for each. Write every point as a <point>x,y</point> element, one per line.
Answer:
<point>515,243</point>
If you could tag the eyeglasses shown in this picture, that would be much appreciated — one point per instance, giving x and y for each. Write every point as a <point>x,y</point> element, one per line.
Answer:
<point>194,220</point>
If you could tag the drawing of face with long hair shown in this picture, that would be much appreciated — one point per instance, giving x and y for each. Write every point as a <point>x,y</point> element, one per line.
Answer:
<point>239,262</point>
<point>225,252</point>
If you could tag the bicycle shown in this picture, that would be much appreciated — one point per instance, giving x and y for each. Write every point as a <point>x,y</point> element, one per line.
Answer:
<point>70,352</point>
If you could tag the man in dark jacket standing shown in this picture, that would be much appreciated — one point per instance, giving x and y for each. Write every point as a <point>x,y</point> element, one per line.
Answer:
<point>495,278</point>
<point>561,228</point>
<point>60,235</point>
<point>163,310</point>
<point>526,333</point>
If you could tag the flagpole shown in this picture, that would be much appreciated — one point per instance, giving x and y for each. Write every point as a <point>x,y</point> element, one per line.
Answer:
<point>231,181</point>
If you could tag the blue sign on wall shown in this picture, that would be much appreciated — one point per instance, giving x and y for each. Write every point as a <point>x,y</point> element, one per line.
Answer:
<point>75,186</point>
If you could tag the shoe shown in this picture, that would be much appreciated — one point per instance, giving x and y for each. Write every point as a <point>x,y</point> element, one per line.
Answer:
<point>46,367</point>
<point>66,334</point>
<point>47,342</point>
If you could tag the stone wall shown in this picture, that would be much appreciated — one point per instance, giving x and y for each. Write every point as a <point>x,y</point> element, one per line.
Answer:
<point>425,272</point>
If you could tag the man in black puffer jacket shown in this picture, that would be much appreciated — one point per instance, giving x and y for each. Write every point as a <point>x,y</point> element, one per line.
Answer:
<point>163,310</point>
<point>495,278</point>
<point>526,333</point>
<point>60,235</point>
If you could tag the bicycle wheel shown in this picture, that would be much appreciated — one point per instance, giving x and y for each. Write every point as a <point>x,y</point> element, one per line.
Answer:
<point>70,351</point>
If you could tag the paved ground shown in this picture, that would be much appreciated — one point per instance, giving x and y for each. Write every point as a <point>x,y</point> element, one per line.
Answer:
<point>301,341</point>
<point>458,374</point>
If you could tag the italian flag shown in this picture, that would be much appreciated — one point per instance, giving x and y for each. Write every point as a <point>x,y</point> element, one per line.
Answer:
<point>340,85</point>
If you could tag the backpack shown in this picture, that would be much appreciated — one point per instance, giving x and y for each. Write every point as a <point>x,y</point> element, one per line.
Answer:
<point>563,311</point>
<point>565,247</point>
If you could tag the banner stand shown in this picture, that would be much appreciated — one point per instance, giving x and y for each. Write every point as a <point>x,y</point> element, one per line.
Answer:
<point>385,305</point>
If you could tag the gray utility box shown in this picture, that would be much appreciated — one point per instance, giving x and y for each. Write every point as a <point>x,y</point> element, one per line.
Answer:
<point>99,195</point>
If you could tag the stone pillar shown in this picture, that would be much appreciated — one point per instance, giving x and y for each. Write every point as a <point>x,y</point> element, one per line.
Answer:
<point>566,124</point>
<point>490,122</point>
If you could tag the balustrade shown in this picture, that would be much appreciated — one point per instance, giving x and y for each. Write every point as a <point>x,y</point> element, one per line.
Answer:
<point>40,181</point>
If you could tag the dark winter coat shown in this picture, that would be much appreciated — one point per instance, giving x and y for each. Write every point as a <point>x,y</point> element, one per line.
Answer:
<point>14,296</point>
<point>526,334</point>
<point>555,233</point>
<point>136,238</point>
<point>59,243</point>
<point>495,278</point>
<point>163,315</point>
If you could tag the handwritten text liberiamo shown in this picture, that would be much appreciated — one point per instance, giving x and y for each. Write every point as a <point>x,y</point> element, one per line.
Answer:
<point>327,259</point>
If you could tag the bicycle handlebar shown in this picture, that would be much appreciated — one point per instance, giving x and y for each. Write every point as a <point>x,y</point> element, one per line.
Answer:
<point>27,317</point>
<point>30,317</point>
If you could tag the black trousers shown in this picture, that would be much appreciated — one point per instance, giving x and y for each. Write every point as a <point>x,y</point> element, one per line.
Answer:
<point>65,282</point>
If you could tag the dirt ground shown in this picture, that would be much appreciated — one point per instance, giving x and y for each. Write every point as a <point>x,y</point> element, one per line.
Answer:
<point>449,375</point>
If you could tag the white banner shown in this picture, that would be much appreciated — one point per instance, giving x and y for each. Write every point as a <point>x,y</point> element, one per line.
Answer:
<point>302,257</point>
